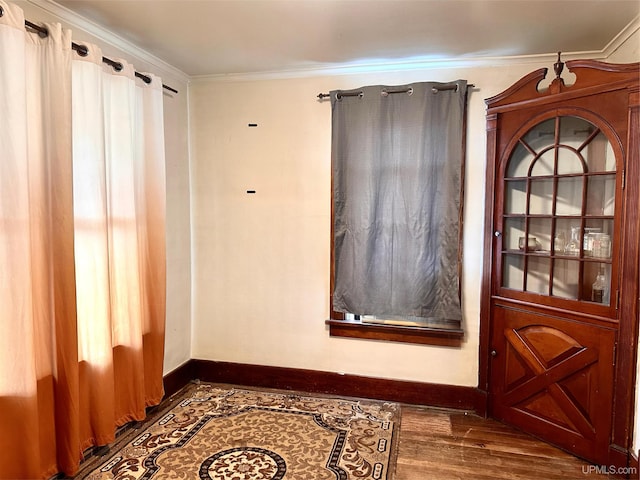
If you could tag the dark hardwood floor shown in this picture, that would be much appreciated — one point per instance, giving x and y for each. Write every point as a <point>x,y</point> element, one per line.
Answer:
<point>442,444</point>
<point>437,444</point>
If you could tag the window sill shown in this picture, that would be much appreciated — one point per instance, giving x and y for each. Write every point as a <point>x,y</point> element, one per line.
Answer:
<point>396,333</point>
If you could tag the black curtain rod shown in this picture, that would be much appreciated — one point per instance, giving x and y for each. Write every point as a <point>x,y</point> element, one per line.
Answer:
<point>83,52</point>
<point>453,86</point>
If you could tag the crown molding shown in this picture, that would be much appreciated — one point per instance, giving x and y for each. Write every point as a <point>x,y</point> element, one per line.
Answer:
<point>622,37</point>
<point>398,66</point>
<point>75,20</point>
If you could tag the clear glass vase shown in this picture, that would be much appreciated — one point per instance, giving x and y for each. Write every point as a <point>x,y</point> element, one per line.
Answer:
<point>573,246</point>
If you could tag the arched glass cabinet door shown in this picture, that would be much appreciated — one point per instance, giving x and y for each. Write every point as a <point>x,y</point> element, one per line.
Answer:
<point>558,214</point>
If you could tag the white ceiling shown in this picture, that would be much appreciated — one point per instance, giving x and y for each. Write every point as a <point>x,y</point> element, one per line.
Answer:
<point>213,37</point>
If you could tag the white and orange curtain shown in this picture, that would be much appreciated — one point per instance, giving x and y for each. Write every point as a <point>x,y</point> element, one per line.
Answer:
<point>82,249</point>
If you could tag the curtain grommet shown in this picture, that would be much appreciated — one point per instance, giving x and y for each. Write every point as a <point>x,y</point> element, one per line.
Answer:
<point>82,50</point>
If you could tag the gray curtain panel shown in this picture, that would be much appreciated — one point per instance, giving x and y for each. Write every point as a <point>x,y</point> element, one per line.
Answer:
<point>397,167</point>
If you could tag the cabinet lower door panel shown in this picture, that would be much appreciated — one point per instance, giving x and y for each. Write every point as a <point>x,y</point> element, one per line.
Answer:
<point>553,378</point>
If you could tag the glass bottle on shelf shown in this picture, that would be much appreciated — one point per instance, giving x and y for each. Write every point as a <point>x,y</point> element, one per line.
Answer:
<point>599,289</point>
<point>573,246</point>
<point>587,240</point>
<point>601,245</point>
<point>559,243</point>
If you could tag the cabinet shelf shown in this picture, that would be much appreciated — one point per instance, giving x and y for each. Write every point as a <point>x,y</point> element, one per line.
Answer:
<point>547,253</point>
<point>563,175</point>
<point>549,215</point>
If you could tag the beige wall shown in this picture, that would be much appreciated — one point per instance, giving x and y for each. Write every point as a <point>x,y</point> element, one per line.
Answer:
<point>178,327</point>
<point>261,262</point>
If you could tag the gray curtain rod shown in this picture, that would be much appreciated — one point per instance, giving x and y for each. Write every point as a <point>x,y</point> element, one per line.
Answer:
<point>82,51</point>
<point>453,86</point>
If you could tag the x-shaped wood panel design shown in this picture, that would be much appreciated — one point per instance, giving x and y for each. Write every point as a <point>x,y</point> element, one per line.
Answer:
<point>547,379</point>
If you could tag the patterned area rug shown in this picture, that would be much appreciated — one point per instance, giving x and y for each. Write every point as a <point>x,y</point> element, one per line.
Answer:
<point>216,432</point>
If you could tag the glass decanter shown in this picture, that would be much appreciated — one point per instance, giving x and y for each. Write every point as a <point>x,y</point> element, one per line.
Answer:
<point>573,245</point>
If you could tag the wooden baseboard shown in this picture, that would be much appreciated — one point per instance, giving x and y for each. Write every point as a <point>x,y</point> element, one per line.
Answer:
<point>175,380</point>
<point>622,463</point>
<point>313,381</point>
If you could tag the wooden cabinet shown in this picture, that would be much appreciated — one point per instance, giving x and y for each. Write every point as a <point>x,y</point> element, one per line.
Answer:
<point>559,320</point>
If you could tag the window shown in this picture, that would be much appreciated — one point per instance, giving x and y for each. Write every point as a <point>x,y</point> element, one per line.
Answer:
<point>397,175</point>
